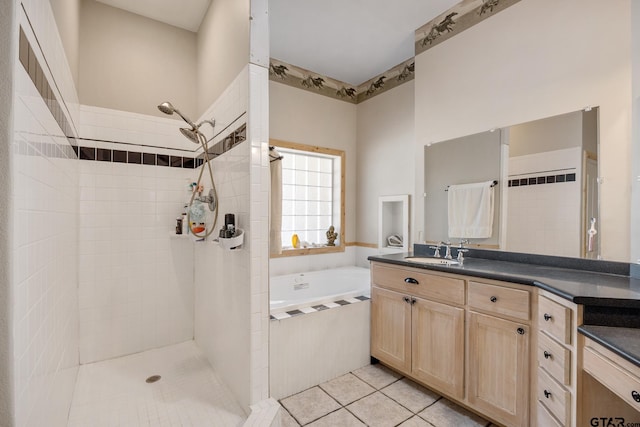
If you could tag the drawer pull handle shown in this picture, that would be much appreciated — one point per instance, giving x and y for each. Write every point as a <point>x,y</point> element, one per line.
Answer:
<point>636,396</point>
<point>520,331</point>
<point>406,299</point>
<point>411,280</point>
<point>547,394</point>
<point>547,355</point>
<point>547,317</point>
<point>493,299</point>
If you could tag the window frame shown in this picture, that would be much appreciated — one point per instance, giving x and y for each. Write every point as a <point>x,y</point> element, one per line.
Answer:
<point>341,232</point>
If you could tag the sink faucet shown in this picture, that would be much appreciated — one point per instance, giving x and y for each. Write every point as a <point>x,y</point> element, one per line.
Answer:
<point>436,248</point>
<point>447,254</point>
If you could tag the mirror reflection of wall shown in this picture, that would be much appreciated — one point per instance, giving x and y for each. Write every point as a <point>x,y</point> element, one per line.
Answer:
<point>548,175</point>
<point>550,192</point>
<point>469,159</point>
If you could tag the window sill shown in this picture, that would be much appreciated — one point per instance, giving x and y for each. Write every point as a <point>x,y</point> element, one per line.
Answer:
<point>309,251</point>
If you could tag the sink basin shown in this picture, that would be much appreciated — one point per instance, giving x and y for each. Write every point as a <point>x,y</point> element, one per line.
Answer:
<point>432,261</point>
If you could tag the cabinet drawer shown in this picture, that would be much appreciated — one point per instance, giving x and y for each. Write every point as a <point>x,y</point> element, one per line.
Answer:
<point>416,282</point>
<point>500,300</point>
<point>554,397</point>
<point>545,418</point>
<point>554,319</point>
<point>555,359</point>
<point>607,368</point>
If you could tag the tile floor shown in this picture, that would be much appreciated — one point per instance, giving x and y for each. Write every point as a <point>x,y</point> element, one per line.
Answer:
<point>114,392</point>
<point>373,396</point>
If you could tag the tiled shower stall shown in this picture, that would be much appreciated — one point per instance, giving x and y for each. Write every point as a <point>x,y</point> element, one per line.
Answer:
<point>96,269</point>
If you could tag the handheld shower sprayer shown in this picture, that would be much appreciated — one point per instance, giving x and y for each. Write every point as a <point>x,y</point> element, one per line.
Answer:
<point>196,136</point>
<point>169,109</point>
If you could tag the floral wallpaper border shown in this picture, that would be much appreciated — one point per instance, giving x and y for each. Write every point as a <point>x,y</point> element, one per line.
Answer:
<point>464,15</point>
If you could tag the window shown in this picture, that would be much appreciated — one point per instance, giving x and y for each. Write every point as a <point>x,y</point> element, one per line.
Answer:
<point>312,197</point>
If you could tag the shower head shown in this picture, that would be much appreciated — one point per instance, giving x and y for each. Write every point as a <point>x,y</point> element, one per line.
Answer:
<point>191,134</point>
<point>169,109</point>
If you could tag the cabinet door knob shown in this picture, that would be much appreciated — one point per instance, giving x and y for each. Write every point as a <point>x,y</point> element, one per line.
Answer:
<point>547,317</point>
<point>411,280</point>
<point>547,394</point>
<point>636,396</point>
<point>547,355</point>
<point>406,299</point>
<point>493,299</point>
<point>520,331</point>
<point>413,301</point>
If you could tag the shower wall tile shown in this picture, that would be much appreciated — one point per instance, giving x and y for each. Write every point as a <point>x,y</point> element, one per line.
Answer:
<point>136,278</point>
<point>44,233</point>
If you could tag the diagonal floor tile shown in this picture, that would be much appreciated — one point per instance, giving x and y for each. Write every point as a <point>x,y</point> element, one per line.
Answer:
<point>347,388</point>
<point>445,413</point>
<point>377,410</point>
<point>342,418</point>
<point>309,405</point>
<point>377,376</point>
<point>286,420</point>
<point>416,421</point>
<point>412,396</point>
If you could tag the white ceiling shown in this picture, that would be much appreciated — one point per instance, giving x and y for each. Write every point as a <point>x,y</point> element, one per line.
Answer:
<point>349,40</point>
<point>187,14</point>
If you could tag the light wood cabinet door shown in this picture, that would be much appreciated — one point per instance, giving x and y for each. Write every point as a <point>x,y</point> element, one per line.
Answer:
<point>438,346</point>
<point>499,368</point>
<point>391,328</point>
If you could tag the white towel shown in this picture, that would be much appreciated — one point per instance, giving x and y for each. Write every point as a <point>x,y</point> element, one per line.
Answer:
<point>471,210</point>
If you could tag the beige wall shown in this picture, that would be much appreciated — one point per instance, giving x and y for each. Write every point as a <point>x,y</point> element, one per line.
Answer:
<point>67,15</point>
<point>132,63</point>
<point>526,63</point>
<point>299,116</point>
<point>549,134</point>
<point>384,165</point>
<point>223,49</point>
<point>635,183</point>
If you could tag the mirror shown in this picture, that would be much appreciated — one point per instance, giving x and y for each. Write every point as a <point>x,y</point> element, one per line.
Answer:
<point>546,199</point>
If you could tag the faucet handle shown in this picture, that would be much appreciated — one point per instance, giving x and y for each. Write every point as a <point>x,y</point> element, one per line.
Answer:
<point>463,242</point>
<point>460,257</point>
<point>436,253</point>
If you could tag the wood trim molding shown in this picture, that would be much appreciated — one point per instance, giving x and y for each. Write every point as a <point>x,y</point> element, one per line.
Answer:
<point>363,245</point>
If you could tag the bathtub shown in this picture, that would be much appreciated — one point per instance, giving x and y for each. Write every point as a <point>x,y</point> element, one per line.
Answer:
<point>295,291</point>
<point>319,327</point>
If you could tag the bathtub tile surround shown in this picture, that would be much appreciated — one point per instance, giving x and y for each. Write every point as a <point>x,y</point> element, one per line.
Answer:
<point>319,307</point>
<point>189,393</point>
<point>373,396</point>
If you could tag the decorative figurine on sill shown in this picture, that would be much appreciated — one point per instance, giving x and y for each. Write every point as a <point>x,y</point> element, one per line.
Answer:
<point>331,236</point>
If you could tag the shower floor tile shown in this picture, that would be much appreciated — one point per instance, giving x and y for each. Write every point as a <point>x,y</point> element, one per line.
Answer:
<point>374,396</point>
<point>115,392</point>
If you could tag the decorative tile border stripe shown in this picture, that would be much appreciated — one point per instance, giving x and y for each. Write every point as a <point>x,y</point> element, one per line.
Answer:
<point>542,179</point>
<point>32,66</point>
<point>464,15</point>
<point>320,307</point>
<point>136,157</point>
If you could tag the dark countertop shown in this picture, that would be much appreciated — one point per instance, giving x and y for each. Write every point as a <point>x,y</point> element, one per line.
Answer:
<point>580,287</point>
<point>624,342</point>
<point>608,299</point>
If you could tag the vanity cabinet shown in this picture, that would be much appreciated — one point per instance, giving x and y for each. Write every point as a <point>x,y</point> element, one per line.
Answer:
<point>416,327</point>
<point>498,346</point>
<point>467,339</point>
<point>556,357</point>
